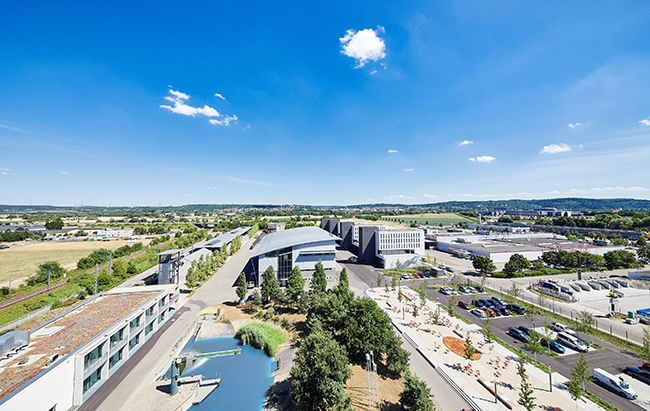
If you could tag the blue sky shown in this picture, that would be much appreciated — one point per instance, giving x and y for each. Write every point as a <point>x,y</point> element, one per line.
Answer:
<point>118,103</point>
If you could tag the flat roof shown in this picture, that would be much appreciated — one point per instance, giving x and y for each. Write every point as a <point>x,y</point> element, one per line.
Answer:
<point>495,245</point>
<point>225,238</point>
<point>292,237</point>
<point>67,333</point>
<point>168,252</point>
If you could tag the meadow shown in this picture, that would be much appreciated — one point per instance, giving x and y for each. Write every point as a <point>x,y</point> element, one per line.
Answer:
<point>429,219</point>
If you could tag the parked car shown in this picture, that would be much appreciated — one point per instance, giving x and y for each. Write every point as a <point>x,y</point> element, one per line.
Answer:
<point>463,289</point>
<point>480,289</point>
<point>478,313</point>
<point>449,269</point>
<point>472,290</point>
<point>445,290</point>
<point>490,312</point>
<point>519,335</point>
<point>498,301</point>
<point>517,309</point>
<point>525,330</point>
<point>478,303</point>
<point>617,385</point>
<point>504,311</point>
<point>638,374</point>
<point>464,305</point>
<point>552,345</point>
<point>561,328</point>
<point>572,341</point>
<point>585,342</point>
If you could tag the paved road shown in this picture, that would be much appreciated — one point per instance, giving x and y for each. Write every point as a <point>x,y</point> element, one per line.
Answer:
<point>611,358</point>
<point>121,389</point>
<point>361,278</point>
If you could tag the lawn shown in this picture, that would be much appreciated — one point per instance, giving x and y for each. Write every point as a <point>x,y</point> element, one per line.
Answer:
<point>429,219</point>
<point>22,262</point>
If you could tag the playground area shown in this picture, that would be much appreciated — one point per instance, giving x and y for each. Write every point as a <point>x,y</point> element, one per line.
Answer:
<point>492,368</point>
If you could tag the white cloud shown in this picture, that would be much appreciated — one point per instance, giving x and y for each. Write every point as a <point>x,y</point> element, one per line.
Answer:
<point>392,151</point>
<point>187,195</point>
<point>645,122</point>
<point>4,173</point>
<point>247,127</point>
<point>373,72</point>
<point>553,192</point>
<point>574,125</point>
<point>398,197</point>
<point>179,99</point>
<point>466,142</point>
<point>408,169</point>
<point>212,188</point>
<point>482,159</point>
<point>363,45</point>
<point>555,148</point>
<point>225,121</point>
<point>604,190</point>
<point>65,173</point>
<point>219,95</point>
<point>12,128</point>
<point>429,196</point>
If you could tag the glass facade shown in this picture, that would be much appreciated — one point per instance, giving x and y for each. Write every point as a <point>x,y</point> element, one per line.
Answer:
<point>92,380</point>
<point>93,356</point>
<point>149,311</point>
<point>115,358</point>
<point>117,337</point>
<point>134,341</point>
<point>285,264</point>
<point>135,323</point>
<point>148,328</point>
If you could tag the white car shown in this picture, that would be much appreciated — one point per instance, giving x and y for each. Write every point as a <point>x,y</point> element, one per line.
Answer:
<point>561,328</point>
<point>478,313</point>
<point>445,291</point>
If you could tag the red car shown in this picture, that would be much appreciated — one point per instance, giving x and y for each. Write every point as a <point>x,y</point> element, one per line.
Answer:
<point>464,305</point>
<point>490,312</point>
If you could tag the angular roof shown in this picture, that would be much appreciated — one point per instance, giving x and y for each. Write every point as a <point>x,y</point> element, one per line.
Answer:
<point>292,237</point>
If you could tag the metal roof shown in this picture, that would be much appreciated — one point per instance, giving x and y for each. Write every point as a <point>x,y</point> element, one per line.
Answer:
<point>292,237</point>
<point>223,239</point>
<point>176,251</point>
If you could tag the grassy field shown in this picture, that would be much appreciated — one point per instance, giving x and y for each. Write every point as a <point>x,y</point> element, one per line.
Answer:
<point>429,219</point>
<point>20,262</point>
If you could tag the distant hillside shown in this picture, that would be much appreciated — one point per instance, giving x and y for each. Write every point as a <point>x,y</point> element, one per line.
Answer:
<point>571,203</point>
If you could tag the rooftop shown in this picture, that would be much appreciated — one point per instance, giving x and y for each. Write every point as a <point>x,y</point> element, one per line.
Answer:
<point>504,244</point>
<point>291,237</point>
<point>67,333</point>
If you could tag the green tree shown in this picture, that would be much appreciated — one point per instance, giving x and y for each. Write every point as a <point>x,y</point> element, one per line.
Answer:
<point>393,282</point>
<point>580,371</point>
<point>641,241</point>
<point>295,286</point>
<point>575,391</point>
<point>52,267</point>
<point>619,259</point>
<point>526,392</point>
<point>344,283</point>
<point>319,280</point>
<point>516,264</point>
<point>365,328</point>
<point>514,292</point>
<point>320,372</point>
<point>397,358</point>
<point>469,350</point>
<point>270,285</point>
<point>256,299</point>
<point>54,224</point>
<point>416,395</point>
<point>483,264</point>
<point>645,349</point>
<point>241,286</point>
<point>586,321</point>
<point>453,300</point>
<point>644,252</point>
<point>379,280</point>
<point>487,333</point>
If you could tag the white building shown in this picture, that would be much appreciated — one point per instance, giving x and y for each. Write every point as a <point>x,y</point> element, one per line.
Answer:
<point>109,233</point>
<point>71,356</point>
<point>302,247</point>
<point>399,244</point>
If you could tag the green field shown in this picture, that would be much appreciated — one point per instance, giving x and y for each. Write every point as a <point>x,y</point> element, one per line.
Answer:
<point>428,219</point>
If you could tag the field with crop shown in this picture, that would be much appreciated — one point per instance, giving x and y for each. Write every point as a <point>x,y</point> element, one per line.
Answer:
<point>22,261</point>
<point>428,219</point>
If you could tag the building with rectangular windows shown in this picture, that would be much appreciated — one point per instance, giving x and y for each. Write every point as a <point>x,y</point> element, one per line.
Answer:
<point>69,357</point>
<point>302,247</point>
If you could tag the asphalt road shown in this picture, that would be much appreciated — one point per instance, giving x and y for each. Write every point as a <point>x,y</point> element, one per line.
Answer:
<point>611,358</point>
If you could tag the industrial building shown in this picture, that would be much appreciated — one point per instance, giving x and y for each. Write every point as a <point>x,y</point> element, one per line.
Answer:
<point>302,247</point>
<point>69,357</point>
<point>222,240</point>
<point>118,233</point>
<point>500,247</point>
<point>274,227</point>
<point>378,245</point>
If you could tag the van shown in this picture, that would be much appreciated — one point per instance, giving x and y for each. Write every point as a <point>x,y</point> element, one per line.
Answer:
<point>572,342</point>
<point>617,385</point>
<point>518,309</point>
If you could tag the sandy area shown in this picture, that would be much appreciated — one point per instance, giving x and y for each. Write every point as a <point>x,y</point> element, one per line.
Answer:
<point>22,261</point>
<point>389,389</point>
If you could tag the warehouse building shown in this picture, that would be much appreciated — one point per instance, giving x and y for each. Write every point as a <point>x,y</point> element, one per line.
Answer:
<point>500,247</point>
<point>216,243</point>
<point>302,247</point>
<point>69,357</point>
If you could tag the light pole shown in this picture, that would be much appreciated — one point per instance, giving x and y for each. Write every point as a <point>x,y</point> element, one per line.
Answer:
<point>532,337</point>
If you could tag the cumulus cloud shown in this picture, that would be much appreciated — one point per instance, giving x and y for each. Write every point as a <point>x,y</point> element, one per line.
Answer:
<point>364,45</point>
<point>603,190</point>
<point>219,95</point>
<point>429,196</point>
<point>553,192</point>
<point>574,125</point>
<point>398,197</point>
<point>408,169</point>
<point>65,173</point>
<point>224,121</point>
<point>392,151</point>
<point>555,148</point>
<point>180,106</point>
<point>645,122</point>
<point>482,159</point>
<point>466,142</point>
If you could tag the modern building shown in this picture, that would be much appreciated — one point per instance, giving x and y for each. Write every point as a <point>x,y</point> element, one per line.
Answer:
<point>274,227</point>
<point>69,357</point>
<point>169,263</point>
<point>302,247</point>
<point>501,246</point>
<point>119,233</point>
<point>222,240</point>
<point>544,212</point>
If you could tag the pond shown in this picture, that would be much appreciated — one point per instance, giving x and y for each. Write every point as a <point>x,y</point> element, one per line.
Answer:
<point>245,378</point>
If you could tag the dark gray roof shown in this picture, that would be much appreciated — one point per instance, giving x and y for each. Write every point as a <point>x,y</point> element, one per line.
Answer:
<point>223,239</point>
<point>176,251</point>
<point>292,237</point>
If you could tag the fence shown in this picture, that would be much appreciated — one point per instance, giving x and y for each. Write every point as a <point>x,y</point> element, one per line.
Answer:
<point>22,320</point>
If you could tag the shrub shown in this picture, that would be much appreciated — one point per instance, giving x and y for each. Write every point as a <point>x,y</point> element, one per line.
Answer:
<point>262,336</point>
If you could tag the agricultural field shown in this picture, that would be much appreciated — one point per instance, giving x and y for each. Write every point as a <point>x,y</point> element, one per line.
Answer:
<point>429,219</point>
<point>22,261</point>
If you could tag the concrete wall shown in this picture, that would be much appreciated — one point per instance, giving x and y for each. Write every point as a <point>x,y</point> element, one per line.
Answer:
<point>335,226</point>
<point>346,235</point>
<point>367,250</point>
<point>324,223</point>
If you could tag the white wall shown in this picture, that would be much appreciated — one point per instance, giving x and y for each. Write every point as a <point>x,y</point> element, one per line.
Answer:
<point>53,388</point>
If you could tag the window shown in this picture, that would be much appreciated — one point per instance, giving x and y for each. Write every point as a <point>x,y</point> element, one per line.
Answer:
<point>161,303</point>
<point>134,341</point>
<point>115,358</point>
<point>117,337</point>
<point>161,317</point>
<point>135,323</point>
<point>149,311</point>
<point>148,328</point>
<point>93,356</point>
<point>90,381</point>
<point>53,408</point>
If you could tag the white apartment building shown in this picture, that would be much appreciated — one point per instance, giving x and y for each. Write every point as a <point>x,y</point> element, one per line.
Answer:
<point>71,356</point>
<point>109,233</point>
<point>399,244</point>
